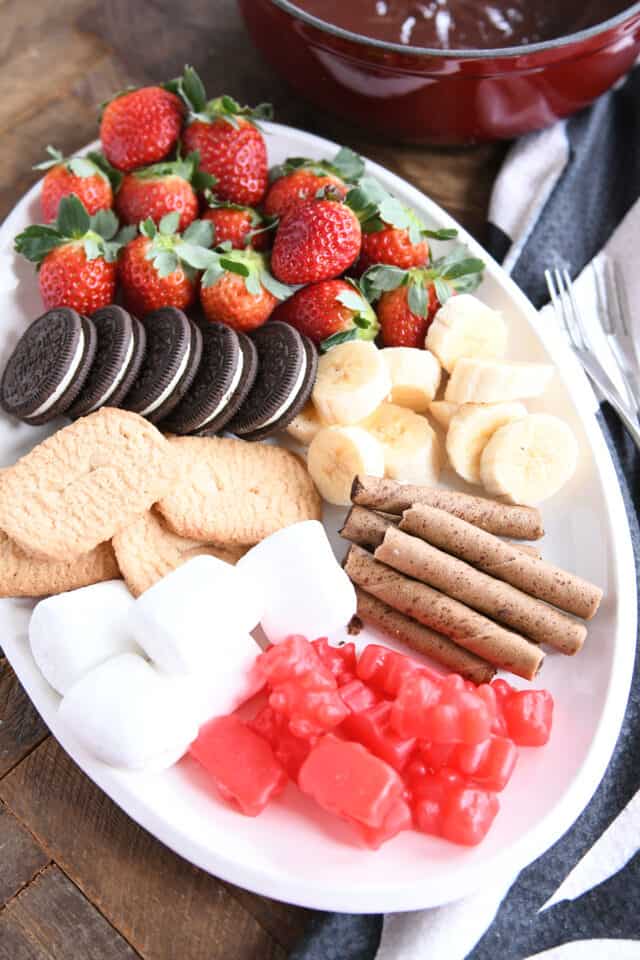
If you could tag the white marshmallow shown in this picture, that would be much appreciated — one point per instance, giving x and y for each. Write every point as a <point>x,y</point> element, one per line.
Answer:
<point>181,619</point>
<point>306,590</point>
<point>231,678</point>
<point>128,714</point>
<point>73,632</point>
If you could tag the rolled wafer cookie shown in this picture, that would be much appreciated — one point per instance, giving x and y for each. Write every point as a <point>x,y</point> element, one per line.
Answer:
<point>498,600</point>
<point>25,576</point>
<point>420,638</point>
<point>502,560</point>
<point>503,519</point>
<point>84,484</point>
<point>147,551</point>
<point>503,648</point>
<point>368,527</point>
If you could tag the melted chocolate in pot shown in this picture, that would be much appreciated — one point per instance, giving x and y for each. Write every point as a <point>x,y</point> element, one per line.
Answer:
<point>463,24</point>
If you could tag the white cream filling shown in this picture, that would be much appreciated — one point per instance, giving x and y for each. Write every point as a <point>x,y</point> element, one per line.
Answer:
<point>226,395</point>
<point>118,380</point>
<point>66,380</point>
<point>291,399</point>
<point>165,393</point>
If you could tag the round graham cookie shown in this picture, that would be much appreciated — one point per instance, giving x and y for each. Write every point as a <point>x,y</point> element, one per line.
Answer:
<point>172,356</point>
<point>287,363</point>
<point>119,355</point>
<point>224,374</point>
<point>48,366</point>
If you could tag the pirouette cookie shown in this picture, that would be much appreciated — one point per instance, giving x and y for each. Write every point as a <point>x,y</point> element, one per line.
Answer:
<point>236,493</point>
<point>85,483</point>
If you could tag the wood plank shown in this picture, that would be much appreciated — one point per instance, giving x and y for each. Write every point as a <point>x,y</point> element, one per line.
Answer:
<point>51,920</point>
<point>138,884</point>
<point>20,856</point>
<point>21,728</point>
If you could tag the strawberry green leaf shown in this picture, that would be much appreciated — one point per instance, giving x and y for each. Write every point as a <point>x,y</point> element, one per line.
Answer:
<point>225,246</point>
<point>110,250</point>
<point>115,177</point>
<point>279,290</point>
<point>343,336</point>
<point>83,167</point>
<point>463,267</point>
<point>443,290</point>
<point>468,283</point>
<point>148,228</point>
<point>253,285</point>
<point>166,168</point>
<point>36,241</point>
<point>348,165</point>
<point>445,234</point>
<point>192,89</point>
<point>352,299</point>
<point>92,246</point>
<point>212,275</point>
<point>394,213</point>
<point>165,263</point>
<point>381,278</point>
<point>126,234</point>
<point>105,223</point>
<point>55,158</point>
<point>73,220</point>
<point>169,223</point>
<point>195,256</point>
<point>233,266</point>
<point>418,299</point>
<point>200,232</point>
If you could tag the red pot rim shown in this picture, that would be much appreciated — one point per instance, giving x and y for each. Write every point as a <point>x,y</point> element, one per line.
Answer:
<point>481,53</point>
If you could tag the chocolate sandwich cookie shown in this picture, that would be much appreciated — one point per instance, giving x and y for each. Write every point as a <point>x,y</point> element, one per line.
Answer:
<point>225,376</point>
<point>287,365</point>
<point>119,356</point>
<point>49,366</point>
<point>172,356</point>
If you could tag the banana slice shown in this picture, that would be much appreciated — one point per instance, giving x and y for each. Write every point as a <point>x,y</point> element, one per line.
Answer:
<point>304,427</point>
<point>529,460</point>
<point>470,430</point>
<point>336,455</point>
<point>352,380</point>
<point>442,411</point>
<point>415,376</point>
<point>490,381</point>
<point>466,327</point>
<point>411,449</point>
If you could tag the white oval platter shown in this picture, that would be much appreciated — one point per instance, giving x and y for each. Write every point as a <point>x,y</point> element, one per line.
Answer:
<point>293,851</point>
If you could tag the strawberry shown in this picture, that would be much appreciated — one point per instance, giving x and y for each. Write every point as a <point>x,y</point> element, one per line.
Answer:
<point>160,267</point>
<point>237,289</point>
<point>408,300</point>
<point>154,191</point>
<point>391,232</point>
<point>230,145</point>
<point>241,226</point>
<point>330,312</point>
<point>76,256</point>
<point>299,179</point>
<point>140,127</point>
<point>91,178</point>
<point>318,240</point>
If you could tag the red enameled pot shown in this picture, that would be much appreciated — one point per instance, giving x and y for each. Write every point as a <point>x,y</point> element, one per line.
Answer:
<point>441,96</point>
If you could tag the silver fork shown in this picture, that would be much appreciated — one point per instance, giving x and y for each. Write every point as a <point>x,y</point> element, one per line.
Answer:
<point>567,311</point>
<point>613,311</point>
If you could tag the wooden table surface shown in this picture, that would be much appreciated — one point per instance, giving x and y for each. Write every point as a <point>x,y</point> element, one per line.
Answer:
<point>78,879</point>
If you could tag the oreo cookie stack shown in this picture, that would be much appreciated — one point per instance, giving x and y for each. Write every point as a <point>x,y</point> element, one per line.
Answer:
<point>186,379</point>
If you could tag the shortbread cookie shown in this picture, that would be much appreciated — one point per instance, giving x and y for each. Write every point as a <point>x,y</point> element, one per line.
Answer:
<point>85,483</point>
<point>147,551</point>
<point>234,492</point>
<point>24,576</point>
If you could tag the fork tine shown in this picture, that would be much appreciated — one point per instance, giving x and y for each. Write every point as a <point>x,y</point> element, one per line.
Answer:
<point>616,313</point>
<point>572,314</point>
<point>598,266</point>
<point>556,300</point>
